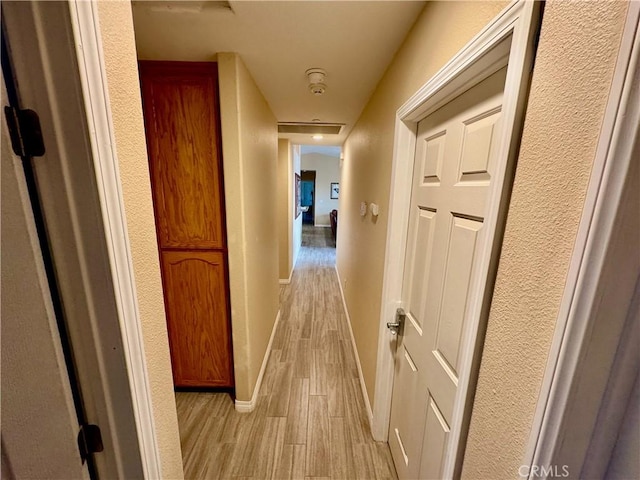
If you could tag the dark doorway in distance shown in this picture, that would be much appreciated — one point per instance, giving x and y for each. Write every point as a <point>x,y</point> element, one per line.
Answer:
<point>307,196</point>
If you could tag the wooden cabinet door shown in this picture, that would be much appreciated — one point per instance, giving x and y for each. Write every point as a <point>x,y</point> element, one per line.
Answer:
<point>182,121</point>
<point>195,292</point>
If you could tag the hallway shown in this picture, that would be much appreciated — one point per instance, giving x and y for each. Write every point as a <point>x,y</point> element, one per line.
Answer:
<point>310,420</point>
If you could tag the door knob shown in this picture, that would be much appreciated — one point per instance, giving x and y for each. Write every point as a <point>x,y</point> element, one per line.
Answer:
<point>396,326</point>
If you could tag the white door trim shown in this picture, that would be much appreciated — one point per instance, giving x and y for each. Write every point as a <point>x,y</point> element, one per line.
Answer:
<point>88,43</point>
<point>508,39</point>
<point>575,317</point>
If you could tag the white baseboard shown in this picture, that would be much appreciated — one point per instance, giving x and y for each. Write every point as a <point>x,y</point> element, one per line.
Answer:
<point>323,226</point>
<point>287,281</point>
<point>248,406</point>
<point>367,403</point>
<point>244,406</point>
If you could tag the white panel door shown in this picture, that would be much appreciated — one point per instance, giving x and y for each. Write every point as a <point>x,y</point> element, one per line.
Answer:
<point>39,422</point>
<point>454,164</point>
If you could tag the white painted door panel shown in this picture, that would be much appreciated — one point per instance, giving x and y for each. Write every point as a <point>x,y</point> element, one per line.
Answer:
<point>39,422</point>
<point>454,164</point>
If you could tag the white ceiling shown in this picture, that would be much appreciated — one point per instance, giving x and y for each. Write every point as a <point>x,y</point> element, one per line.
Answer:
<point>328,150</point>
<point>353,41</point>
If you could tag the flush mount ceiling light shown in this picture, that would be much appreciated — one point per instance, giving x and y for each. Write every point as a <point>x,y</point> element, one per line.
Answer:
<point>317,136</point>
<point>316,80</point>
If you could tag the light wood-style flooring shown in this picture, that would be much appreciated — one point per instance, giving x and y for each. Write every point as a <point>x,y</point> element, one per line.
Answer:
<point>310,419</point>
<point>317,236</point>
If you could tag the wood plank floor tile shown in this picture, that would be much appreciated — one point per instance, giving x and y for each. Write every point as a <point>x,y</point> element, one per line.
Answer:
<point>291,464</point>
<point>270,372</point>
<point>290,350</point>
<point>348,358</point>
<point>279,398</point>
<point>298,413</point>
<point>270,451</point>
<point>318,453</point>
<point>243,462</point>
<point>342,464</point>
<point>382,461</point>
<point>333,347</point>
<point>302,362</point>
<point>218,462</point>
<point>363,462</point>
<point>305,331</point>
<point>360,410</point>
<point>281,338</point>
<point>310,420</point>
<point>318,373</point>
<point>196,459</point>
<point>318,332</point>
<point>351,414</point>
<point>235,426</point>
<point>335,390</point>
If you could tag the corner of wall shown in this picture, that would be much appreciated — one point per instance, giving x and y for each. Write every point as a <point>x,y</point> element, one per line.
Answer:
<point>233,179</point>
<point>250,163</point>
<point>285,209</point>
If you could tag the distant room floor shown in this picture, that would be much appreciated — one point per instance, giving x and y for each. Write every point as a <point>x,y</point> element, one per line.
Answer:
<point>317,237</point>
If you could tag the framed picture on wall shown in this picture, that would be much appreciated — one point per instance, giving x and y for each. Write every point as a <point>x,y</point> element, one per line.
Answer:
<point>297,205</point>
<point>335,191</point>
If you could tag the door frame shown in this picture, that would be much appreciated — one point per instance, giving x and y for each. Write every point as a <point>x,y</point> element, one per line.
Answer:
<point>73,47</point>
<point>508,39</point>
<point>86,28</point>
<point>573,342</point>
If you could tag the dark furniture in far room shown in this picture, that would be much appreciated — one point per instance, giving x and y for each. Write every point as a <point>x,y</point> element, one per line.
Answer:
<point>333,218</point>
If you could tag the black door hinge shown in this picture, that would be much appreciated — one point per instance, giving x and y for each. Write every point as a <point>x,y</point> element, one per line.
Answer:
<point>89,441</point>
<point>25,132</point>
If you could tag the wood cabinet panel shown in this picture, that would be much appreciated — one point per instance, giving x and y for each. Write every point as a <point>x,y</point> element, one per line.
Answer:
<point>195,294</point>
<point>182,134</point>
<point>182,121</point>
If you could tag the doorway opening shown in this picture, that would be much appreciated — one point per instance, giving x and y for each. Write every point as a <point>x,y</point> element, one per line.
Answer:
<point>307,197</point>
<point>320,190</point>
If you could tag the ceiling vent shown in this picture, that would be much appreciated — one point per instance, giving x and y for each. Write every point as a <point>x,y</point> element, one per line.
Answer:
<point>184,6</point>
<point>308,128</point>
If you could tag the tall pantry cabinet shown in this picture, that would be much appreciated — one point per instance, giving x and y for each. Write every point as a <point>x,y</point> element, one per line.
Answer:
<point>182,122</point>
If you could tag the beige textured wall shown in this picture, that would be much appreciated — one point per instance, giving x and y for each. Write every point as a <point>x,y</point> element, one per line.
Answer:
<point>118,43</point>
<point>250,157</point>
<point>442,29</point>
<point>574,67</point>
<point>285,208</point>
<point>327,170</point>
